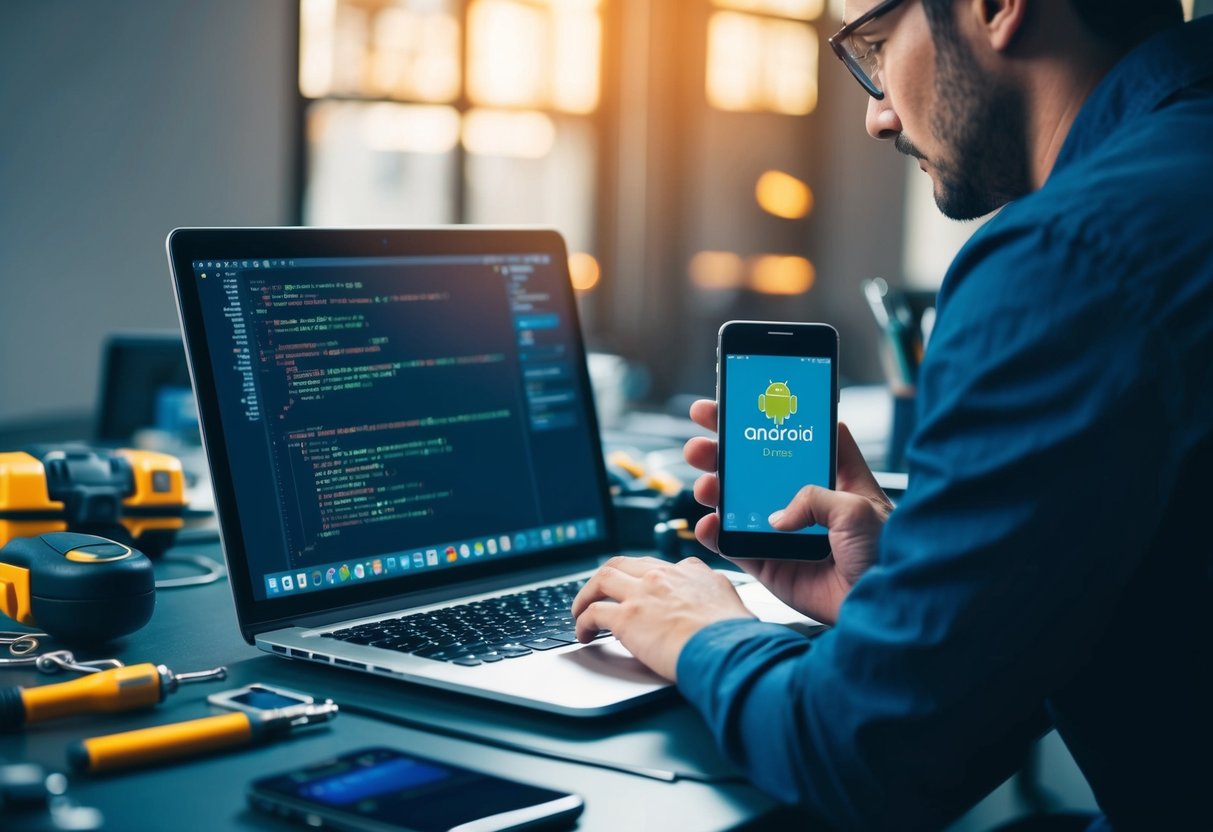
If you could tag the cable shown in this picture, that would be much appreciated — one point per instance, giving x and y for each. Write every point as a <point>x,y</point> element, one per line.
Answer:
<point>212,571</point>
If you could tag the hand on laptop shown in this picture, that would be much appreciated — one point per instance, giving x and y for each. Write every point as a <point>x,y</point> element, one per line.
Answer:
<point>855,514</point>
<point>654,607</point>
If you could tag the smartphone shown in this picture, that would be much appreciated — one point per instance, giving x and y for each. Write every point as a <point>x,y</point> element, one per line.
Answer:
<point>386,790</point>
<point>777,431</point>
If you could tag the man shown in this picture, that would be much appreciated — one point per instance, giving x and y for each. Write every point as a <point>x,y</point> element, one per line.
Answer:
<point>1050,564</point>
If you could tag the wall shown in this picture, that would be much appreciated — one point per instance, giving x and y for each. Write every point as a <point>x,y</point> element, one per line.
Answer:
<point>118,121</point>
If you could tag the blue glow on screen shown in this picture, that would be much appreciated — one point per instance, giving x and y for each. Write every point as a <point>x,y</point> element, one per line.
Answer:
<point>777,418</point>
<point>394,775</point>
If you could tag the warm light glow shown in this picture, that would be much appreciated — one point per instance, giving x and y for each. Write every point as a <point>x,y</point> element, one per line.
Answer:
<point>317,21</point>
<point>577,38</point>
<point>790,68</point>
<point>520,53</point>
<point>402,128</point>
<point>797,9</point>
<point>530,55</point>
<point>716,270</point>
<point>757,64</point>
<point>409,51</point>
<point>1188,6</point>
<point>584,270</point>
<point>507,43</point>
<point>783,195</point>
<point>775,274</point>
<point>415,55</point>
<point>526,135</point>
<point>319,125</point>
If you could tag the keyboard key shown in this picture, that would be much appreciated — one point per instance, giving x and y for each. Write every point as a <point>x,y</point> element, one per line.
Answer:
<point>499,628</point>
<point>439,651</point>
<point>513,651</point>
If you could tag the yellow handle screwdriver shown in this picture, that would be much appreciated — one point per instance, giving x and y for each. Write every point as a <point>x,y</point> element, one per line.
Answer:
<point>98,755</point>
<point>107,691</point>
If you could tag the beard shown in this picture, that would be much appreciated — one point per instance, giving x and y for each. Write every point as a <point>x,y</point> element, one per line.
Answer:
<point>981,121</point>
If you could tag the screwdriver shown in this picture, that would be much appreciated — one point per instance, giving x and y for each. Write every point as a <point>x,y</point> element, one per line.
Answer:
<point>128,749</point>
<point>107,691</point>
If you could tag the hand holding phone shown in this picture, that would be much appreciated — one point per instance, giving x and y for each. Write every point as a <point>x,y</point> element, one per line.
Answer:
<point>384,790</point>
<point>777,411</point>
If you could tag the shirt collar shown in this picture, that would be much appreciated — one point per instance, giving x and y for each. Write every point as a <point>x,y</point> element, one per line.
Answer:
<point>1152,72</point>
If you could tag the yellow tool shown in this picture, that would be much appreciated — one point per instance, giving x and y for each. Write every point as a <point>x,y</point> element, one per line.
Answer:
<point>133,496</point>
<point>106,691</point>
<point>128,749</point>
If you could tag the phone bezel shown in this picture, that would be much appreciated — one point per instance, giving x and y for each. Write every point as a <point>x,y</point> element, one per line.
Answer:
<point>776,338</point>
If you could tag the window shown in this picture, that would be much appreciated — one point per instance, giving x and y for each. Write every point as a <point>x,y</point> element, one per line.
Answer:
<point>443,111</point>
<point>683,147</point>
<point>763,57</point>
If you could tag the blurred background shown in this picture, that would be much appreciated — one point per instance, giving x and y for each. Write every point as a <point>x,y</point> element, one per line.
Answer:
<point>705,159</point>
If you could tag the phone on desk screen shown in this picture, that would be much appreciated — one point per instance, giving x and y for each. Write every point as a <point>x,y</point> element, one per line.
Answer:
<point>385,790</point>
<point>777,412</point>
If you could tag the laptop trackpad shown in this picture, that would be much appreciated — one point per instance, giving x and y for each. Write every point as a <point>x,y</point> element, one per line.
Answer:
<point>611,658</point>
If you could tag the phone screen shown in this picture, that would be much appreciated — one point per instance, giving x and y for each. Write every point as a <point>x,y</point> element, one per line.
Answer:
<point>380,788</point>
<point>777,398</point>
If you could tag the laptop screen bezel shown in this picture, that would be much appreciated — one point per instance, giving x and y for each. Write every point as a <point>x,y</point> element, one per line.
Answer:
<point>187,245</point>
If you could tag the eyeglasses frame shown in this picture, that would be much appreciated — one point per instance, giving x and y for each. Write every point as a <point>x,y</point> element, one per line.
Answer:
<point>840,37</point>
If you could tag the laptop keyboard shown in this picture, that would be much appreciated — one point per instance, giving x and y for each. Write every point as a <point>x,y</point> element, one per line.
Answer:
<point>504,627</point>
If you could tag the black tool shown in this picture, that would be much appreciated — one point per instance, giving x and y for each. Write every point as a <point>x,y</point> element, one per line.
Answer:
<point>79,588</point>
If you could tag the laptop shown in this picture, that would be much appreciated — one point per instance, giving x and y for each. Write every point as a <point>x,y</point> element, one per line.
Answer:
<point>405,455</point>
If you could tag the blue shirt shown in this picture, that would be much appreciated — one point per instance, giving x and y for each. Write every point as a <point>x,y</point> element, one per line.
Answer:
<point>1050,564</point>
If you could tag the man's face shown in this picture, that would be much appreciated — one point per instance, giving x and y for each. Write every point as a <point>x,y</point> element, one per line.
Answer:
<point>966,126</point>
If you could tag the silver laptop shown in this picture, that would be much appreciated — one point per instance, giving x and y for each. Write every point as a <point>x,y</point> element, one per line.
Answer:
<point>405,455</point>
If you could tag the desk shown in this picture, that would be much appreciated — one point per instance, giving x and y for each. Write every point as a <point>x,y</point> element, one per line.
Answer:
<point>195,628</point>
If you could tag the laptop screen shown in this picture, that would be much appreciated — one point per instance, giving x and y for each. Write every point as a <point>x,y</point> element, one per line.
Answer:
<point>391,417</point>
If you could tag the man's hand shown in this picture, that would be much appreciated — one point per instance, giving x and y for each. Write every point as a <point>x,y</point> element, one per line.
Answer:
<point>654,607</point>
<point>854,514</point>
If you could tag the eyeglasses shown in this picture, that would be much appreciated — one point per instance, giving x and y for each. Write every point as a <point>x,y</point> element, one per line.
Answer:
<point>863,59</point>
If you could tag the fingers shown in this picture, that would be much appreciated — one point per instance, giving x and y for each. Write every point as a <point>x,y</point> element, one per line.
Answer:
<point>707,490</point>
<point>814,505</point>
<point>700,451</point>
<point>854,475</point>
<point>608,583</point>
<point>600,615</point>
<point>703,413</point>
<point>596,606</point>
<point>618,575</point>
<point>635,566</point>
<point>707,529</point>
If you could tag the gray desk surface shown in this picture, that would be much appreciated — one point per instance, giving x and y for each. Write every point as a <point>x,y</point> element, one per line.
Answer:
<point>195,629</point>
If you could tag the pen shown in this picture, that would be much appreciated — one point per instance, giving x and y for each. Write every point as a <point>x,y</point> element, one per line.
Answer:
<point>113,752</point>
<point>904,342</point>
<point>927,325</point>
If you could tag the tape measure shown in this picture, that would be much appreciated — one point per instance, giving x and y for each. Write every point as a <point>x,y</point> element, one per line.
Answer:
<point>134,497</point>
<point>77,587</point>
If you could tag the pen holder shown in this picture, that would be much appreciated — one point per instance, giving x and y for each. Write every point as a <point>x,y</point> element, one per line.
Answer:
<point>903,423</point>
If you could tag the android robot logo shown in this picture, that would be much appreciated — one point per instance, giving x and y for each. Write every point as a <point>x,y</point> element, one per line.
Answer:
<point>777,403</point>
